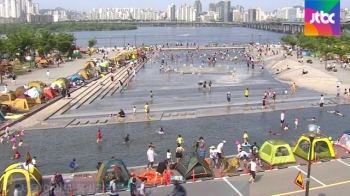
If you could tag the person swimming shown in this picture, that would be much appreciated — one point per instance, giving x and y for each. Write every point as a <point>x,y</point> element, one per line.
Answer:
<point>16,155</point>
<point>161,130</point>
<point>336,112</point>
<point>286,128</point>
<point>313,119</point>
<point>273,133</point>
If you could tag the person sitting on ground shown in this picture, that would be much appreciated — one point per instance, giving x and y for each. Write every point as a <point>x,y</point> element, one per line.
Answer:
<point>242,155</point>
<point>288,67</point>
<point>121,114</point>
<point>304,72</point>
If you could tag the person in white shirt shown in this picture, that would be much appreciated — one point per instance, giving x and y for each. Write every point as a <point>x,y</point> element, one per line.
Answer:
<point>168,156</point>
<point>252,166</point>
<point>25,86</point>
<point>134,111</point>
<point>282,118</point>
<point>220,151</point>
<point>34,161</point>
<point>213,156</point>
<point>321,101</point>
<point>150,157</point>
<point>242,155</point>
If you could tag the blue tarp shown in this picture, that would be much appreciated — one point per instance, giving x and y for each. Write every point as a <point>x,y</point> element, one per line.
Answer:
<point>75,77</point>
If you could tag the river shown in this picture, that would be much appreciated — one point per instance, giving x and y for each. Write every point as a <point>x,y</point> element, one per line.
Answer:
<point>172,35</point>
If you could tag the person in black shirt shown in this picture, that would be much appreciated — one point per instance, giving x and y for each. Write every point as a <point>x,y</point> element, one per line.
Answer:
<point>133,188</point>
<point>126,139</point>
<point>162,166</point>
<point>121,113</point>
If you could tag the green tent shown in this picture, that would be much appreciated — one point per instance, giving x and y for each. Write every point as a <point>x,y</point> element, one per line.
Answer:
<point>276,152</point>
<point>191,164</point>
<point>112,168</point>
<point>77,54</point>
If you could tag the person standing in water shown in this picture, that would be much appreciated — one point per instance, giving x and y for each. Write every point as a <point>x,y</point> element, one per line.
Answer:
<point>99,136</point>
<point>282,119</point>
<point>126,139</point>
<point>209,85</point>
<point>321,101</point>
<point>228,97</point>
<point>147,110</point>
<point>246,94</point>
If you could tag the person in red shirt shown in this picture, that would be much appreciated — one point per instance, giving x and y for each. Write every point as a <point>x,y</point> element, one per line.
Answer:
<point>99,136</point>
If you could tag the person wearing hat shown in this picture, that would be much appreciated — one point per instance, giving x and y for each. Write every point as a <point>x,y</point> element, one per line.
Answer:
<point>113,187</point>
<point>213,156</point>
<point>220,151</point>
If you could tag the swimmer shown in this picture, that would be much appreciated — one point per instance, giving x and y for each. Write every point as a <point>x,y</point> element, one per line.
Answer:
<point>161,130</point>
<point>14,147</point>
<point>286,128</point>
<point>336,112</point>
<point>21,143</point>
<point>180,140</point>
<point>126,139</point>
<point>273,133</point>
<point>16,155</point>
<point>313,119</point>
<point>18,134</point>
<point>22,133</point>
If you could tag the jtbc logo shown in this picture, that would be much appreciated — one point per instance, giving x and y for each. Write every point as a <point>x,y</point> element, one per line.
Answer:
<point>322,18</point>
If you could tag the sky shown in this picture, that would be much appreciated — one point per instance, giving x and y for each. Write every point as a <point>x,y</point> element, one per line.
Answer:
<point>161,5</point>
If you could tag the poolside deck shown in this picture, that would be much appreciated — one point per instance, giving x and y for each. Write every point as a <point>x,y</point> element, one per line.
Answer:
<point>85,183</point>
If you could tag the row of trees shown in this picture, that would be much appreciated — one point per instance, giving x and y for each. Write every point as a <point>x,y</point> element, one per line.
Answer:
<point>67,27</point>
<point>338,45</point>
<point>24,42</point>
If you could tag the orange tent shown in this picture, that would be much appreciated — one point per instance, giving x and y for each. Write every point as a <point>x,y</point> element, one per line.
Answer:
<point>152,178</point>
<point>49,93</point>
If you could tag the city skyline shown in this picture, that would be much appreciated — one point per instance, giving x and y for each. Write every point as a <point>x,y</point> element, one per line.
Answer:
<point>163,5</point>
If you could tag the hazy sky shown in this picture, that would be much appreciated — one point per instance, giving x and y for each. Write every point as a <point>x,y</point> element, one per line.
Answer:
<point>160,5</point>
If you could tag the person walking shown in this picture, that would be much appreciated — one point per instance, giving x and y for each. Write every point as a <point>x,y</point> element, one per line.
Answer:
<point>48,74</point>
<point>321,101</point>
<point>201,147</point>
<point>220,151</point>
<point>213,156</point>
<point>150,157</point>
<point>282,118</point>
<point>147,110</point>
<point>178,152</point>
<point>246,94</point>
<point>252,172</point>
<point>14,77</point>
<point>113,187</point>
<point>228,97</point>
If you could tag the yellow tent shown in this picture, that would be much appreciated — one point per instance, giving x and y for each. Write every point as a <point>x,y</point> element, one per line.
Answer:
<point>36,84</point>
<point>59,84</point>
<point>27,176</point>
<point>84,73</point>
<point>89,65</point>
<point>65,80</point>
<point>25,104</point>
<point>10,96</point>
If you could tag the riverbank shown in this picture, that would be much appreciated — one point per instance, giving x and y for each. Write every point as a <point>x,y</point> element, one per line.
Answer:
<point>317,77</point>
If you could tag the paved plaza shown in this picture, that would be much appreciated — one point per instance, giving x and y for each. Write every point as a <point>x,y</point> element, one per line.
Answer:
<point>327,178</point>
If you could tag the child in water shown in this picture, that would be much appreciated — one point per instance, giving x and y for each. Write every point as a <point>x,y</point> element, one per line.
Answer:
<point>161,130</point>
<point>286,128</point>
<point>180,140</point>
<point>296,123</point>
<point>99,136</point>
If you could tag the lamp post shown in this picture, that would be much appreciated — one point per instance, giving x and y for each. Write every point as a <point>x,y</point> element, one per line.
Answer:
<point>110,43</point>
<point>259,38</point>
<point>312,134</point>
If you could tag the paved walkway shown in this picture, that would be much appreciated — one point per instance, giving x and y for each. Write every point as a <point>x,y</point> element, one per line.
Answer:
<point>326,179</point>
<point>64,70</point>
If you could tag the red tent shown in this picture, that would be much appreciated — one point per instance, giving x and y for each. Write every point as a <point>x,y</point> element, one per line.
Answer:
<point>49,93</point>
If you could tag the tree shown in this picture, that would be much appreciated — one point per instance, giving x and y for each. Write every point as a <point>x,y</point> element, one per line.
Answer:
<point>290,40</point>
<point>92,42</point>
<point>19,42</point>
<point>64,42</point>
<point>45,42</point>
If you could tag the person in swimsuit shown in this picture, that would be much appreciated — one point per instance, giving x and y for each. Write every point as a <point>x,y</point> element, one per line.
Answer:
<point>126,139</point>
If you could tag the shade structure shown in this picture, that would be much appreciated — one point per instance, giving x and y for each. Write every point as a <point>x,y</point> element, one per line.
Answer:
<point>37,84</point>
<point>276,152</point>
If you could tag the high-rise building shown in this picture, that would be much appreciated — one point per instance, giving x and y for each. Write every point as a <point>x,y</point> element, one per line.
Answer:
<point>225,14</point>
<point>172,12</point>
<point>212,7</point>
<point>198,6</point>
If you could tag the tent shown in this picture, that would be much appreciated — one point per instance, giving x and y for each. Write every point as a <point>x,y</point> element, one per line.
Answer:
<point>34,92</point>
<point>37,84</point>
<point>58,84</point>
<point>112,168</point>
<point>65,80</point>
<point>104,66</point>
<point>75,77</point>
<point>89,65</point>
<point>276,152</point>
<point>344,141</point>
<point>192,162</point>
<point>323,147</point>
<point>27,176</point>
<point>25,103</point>
<point>9,96</point>
<point>84,73</point>
<point>49,93</point>
<point>20,90</point>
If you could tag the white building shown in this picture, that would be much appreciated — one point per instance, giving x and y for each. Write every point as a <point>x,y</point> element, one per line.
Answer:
<point>294,14</point>
<point>282,13</point>
<point>171,14</point>
<point>186,13</point>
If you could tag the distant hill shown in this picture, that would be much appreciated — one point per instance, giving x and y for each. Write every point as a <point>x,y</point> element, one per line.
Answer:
<point>42,11</point>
